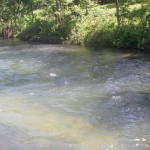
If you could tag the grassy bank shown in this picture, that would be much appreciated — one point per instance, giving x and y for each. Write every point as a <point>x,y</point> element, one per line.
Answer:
<point>92,25</point>
<point>100,29</point>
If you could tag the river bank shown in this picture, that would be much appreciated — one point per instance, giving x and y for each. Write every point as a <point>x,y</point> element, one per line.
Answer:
<point>80,23</point>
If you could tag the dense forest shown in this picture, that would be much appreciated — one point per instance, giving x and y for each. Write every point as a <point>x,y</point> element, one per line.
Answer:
<point>93,23</point>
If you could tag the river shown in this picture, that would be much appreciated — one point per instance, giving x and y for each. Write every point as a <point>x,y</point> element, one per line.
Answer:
<point>56,97</point>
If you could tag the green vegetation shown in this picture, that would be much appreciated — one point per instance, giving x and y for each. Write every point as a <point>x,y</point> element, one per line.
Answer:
<point>118,23</point>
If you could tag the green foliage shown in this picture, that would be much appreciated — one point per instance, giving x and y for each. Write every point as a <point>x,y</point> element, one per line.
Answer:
<point>76,37</point>
<point>78,22</point>
<point>95,29</point>
<point>48,31</point>
<point>134,31</point>
<point>101,38</point>
<point>41,31</point>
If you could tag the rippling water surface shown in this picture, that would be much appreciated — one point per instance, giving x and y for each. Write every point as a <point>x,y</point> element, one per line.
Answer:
<point>55,97</point>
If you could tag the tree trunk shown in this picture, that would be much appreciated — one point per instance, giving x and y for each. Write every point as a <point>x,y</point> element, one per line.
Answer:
<point>117,13</point>
<point>32,14</point>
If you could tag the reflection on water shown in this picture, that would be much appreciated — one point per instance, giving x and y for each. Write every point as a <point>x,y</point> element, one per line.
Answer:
<point>69,98</point>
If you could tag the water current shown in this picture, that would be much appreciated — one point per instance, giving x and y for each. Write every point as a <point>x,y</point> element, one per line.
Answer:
<point>56,97</point>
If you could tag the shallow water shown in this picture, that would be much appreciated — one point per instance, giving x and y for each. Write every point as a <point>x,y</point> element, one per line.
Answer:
<point>56,97</point>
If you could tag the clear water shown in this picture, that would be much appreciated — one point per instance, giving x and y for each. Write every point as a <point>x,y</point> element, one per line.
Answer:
<point>55,97</point>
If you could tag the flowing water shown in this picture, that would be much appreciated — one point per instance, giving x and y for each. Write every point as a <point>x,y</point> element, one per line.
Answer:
<point>55,97</point>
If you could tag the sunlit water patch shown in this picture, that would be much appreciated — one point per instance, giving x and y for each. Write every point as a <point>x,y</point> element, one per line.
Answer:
<point>69,98</point>
<point>42,124</point>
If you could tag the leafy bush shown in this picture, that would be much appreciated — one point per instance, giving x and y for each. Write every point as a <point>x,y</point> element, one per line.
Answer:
<point>135,32</point>
<point>95,29</point>
<point>100,38</point>
<point>49,31</point>
<point>80,22</point>
<point>42,31</point>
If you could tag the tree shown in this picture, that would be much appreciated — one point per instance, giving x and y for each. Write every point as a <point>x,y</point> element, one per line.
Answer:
<point>117,13</point>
